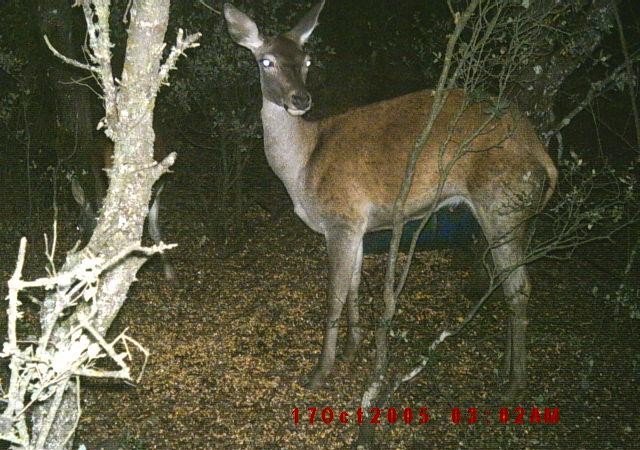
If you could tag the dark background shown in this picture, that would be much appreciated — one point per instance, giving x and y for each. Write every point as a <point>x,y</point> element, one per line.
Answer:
<point>248,310</point>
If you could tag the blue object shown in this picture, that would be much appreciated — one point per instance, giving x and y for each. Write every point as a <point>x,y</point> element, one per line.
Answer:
<point>448,227</point>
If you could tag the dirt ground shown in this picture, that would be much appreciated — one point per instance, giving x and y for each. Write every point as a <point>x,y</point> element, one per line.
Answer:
<point>230,342</point>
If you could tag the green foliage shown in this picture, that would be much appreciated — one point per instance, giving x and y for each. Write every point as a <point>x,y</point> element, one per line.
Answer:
<point>594,196</point>
<point>625,299</point>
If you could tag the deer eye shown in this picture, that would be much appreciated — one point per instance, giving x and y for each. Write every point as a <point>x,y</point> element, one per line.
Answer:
<point>307,63</point>
<point>266,62</point>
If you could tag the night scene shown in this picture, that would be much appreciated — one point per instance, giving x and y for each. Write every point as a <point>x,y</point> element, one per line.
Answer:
<point>319,224</point>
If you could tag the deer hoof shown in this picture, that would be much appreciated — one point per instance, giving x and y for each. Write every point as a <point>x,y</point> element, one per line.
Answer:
<point>504,374</point>
<point>349,353</point>
<point>514,393</point>
<point>314,379</point>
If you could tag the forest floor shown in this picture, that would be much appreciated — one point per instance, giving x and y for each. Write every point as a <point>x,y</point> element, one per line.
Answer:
<point>231,340</point>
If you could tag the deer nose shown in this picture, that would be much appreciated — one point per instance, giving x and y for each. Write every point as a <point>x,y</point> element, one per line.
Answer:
<point>301,101</point>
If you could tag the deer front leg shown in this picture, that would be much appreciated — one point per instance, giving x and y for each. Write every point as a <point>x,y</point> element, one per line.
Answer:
<point>354,336</point>
<point>343,246</point>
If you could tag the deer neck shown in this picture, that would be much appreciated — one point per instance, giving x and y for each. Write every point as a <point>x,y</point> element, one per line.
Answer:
<point>288,143</point>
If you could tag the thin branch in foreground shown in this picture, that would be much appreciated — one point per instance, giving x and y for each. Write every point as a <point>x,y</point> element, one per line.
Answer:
<point>69,61</point>
<point>37,369</point>
<point>210,8</point>
<point>180,47</point>
<point>597,89</point>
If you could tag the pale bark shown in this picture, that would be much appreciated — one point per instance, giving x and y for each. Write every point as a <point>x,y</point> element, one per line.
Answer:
<point>129,117</point>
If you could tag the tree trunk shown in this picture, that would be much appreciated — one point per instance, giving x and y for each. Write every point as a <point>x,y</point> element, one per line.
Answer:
<point>129,122</point>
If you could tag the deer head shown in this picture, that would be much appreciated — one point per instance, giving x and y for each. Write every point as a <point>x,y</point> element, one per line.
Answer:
<point>282,61</point>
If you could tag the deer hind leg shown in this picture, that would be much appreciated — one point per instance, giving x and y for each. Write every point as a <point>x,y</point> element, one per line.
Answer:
<point>506,234</point>
<point>517,290</point>
<point>343,248</point>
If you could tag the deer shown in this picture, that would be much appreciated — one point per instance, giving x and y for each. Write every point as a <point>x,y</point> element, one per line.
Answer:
<point>344,173</point>
<point>101,161</point>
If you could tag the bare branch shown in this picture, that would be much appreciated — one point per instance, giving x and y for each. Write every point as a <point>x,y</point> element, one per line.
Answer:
<point>181,46</point>
<point>96,15</point>
<point>14,287</point>
<point>597,89</point>
<point>67,60</point>
<point>210,8</point>
<point>445,82</point>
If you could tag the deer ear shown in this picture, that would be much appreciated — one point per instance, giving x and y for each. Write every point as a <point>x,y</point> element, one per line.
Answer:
<point>242,29</point>
<point>301,32</point>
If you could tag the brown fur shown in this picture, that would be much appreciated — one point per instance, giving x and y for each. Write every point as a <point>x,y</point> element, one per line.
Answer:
<point>360,157</point>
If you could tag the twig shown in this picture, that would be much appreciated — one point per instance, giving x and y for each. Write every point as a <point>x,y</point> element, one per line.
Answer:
<point>390,299</point>
<point>210,8</point>
<point>598,88</point>
<point>103,344</point>
<point>15,284</point>
<point>182,44</point>
<point>67,278</point>
<point>448,333</point>
<point>70,61</point>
